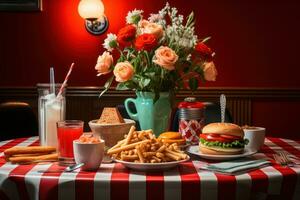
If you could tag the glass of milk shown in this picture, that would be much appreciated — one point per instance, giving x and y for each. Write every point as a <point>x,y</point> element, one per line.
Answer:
<point>50,111</point>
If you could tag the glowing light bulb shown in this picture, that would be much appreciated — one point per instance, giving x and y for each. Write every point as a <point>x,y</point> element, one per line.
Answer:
<point>91,9</point>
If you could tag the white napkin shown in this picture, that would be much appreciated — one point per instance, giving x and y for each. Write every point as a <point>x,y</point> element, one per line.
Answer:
<point>235,167</point>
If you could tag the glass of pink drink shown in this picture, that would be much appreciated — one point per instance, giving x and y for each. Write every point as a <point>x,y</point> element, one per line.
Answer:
<point>67,132</point>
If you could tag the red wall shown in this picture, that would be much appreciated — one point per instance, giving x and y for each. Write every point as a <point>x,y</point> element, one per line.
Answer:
<point>280,117</point>
<point>256,44</point>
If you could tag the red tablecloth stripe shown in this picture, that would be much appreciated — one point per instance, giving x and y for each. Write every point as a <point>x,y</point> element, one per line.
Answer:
<point>289,181</point>
<point>261,181</point>
<point>155,185</point>
<point>286,146</point>
<point>84,187</point>
<point>49,184</point>
<point>119,182</point>
<point>289,176</point>
<point>12,143</point>
<point>17,175</point>
<point>190,181</point>
<point>226,187</point>
<point>9,145</point>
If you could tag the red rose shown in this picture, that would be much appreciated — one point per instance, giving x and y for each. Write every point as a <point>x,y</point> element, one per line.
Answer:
<point>126,35</point>
<point>145,42</point>
<point>204,51</point>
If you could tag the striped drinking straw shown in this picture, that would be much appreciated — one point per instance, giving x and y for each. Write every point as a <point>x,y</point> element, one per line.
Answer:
<point>65,81</point>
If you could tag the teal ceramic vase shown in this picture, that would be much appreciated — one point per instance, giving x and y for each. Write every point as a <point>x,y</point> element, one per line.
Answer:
<point>151,116</point>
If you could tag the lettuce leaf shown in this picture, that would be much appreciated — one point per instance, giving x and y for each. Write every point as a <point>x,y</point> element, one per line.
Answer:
<point>234,144</point>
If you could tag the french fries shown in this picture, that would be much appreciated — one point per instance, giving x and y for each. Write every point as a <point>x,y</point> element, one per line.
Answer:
<point>144,147</point>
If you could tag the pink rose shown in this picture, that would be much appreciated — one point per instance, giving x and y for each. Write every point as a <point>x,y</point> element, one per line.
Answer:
<point>151,28</point>
<point>165,57</point>
<point>210,71</point>
<point>143,23</point>
<point>104,63</point>
<point>123,71</point>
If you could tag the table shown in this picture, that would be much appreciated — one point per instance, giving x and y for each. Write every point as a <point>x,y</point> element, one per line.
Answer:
<point>113,181</point>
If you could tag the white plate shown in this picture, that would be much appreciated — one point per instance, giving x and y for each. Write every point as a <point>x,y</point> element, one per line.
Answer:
<point>151,166</point>
<point>195,151</point>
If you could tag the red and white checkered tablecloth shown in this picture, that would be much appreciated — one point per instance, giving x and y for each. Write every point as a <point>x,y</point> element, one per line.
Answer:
<point>113,181</point>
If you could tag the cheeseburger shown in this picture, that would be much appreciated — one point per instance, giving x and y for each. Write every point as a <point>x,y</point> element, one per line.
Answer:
<point>222,139</point>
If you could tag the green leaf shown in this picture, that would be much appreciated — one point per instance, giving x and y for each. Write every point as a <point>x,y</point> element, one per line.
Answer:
<point>128,49</point>
<point>144,82</point>
<point>128,85</point>
<point>190,19</point>
<point>122,86</point>
<point>193,83</point>
<point>150,74</point>
<point>107,85</point>
<point>121,59</point>
<point>136,64</point>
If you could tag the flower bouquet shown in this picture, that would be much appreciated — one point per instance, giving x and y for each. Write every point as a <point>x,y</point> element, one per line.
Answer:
<point>156,56</point>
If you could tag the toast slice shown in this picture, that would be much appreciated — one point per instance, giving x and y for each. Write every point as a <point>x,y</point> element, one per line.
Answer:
<point>110,115</point>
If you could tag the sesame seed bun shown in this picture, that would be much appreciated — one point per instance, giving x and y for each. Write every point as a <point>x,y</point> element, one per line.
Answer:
<point>223,129</point>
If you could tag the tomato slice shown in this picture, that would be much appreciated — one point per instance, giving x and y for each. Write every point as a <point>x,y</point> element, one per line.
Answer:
<point>214,137</point>
<point>233,137</point>
<point>204,136</point>
<point>219,139</point>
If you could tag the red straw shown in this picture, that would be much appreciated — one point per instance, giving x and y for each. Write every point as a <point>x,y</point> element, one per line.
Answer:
<point>65,81</point>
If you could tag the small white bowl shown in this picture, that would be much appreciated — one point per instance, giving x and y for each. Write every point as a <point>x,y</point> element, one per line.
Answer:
<point>91,154</point>
<point>111,133</point>
<point>256,137</point>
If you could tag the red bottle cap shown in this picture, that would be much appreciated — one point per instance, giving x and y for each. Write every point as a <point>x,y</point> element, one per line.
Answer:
<point>190,102</point>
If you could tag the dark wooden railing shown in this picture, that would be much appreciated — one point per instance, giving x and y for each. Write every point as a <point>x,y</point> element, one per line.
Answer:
<point>83,102</point>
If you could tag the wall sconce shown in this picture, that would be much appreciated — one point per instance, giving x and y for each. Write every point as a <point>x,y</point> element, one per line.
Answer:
<point>93,13</point>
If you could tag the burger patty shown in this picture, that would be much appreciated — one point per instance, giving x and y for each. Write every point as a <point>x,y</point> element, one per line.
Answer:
<point>233,144</point>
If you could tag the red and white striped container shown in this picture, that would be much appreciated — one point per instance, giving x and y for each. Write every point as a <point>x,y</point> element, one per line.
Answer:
<point>191,119</point>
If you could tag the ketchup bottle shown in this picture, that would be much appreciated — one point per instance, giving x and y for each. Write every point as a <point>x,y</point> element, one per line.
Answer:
<point>191,119</point>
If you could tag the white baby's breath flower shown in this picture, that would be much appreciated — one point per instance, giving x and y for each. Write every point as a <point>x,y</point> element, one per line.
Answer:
<point>110,42</point>
<point>155,18</point>
<point>133,17</point>
<point>158,19</point>
<point>185,42</point>
<point>164,11</point>
<point>189,57</point>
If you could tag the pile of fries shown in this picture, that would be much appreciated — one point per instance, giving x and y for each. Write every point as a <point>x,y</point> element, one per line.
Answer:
<point>144,147</point>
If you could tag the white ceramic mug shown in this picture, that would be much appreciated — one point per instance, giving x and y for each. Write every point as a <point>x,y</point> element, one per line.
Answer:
<point>91,154</point>
<point>256,137</point>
